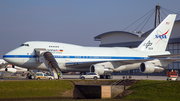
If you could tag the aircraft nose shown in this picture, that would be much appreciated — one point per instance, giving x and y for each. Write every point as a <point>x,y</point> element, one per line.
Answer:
<point>8,56</point>
<point>16,56</point>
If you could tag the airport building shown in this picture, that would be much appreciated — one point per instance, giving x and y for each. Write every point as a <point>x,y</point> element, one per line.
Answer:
<point>133,39</point>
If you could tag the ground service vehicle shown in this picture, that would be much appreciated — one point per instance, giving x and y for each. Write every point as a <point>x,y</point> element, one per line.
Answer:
<point>90,75</point>
<point>172,75</point>
<point>41,75</point>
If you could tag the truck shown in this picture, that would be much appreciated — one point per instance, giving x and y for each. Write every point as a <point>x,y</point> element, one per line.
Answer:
<point>172,75</point>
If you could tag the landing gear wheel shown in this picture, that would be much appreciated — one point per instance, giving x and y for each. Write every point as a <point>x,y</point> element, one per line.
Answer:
<point>30,77</point>
<point>109,77</point>
<point>106,77</point>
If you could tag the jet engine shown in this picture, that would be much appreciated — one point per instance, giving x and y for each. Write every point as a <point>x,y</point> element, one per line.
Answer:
<point>149,67</point>
<point>12,70</point>
<point>100,69</point>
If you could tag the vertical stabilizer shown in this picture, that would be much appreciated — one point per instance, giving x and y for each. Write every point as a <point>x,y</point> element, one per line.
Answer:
<point>159,37</point>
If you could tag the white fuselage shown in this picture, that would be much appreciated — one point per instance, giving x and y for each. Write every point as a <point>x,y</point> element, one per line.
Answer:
<point>24,56</point>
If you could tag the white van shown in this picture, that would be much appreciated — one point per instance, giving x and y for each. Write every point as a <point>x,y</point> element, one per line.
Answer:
<point>41,75</point>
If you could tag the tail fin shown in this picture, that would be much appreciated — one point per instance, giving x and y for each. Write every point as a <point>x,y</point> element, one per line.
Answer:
<point>159,37</point>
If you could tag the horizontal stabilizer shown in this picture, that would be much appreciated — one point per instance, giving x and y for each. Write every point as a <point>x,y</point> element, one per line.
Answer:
<point>165,56</point>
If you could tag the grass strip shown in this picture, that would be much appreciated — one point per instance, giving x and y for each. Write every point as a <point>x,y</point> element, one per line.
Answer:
<point>30,89</point>
<point>153,90</point>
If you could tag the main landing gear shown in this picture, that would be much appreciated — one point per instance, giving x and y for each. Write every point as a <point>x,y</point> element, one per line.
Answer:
<point>106,77</point>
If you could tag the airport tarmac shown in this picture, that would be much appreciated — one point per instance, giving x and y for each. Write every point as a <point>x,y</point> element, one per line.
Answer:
<point>115,77</point>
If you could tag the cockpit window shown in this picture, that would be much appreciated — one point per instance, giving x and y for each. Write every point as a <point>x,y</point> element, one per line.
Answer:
<point>24,44</point>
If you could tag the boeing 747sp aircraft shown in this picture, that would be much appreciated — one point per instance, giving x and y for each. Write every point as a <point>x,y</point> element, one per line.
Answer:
<point>56,57</point>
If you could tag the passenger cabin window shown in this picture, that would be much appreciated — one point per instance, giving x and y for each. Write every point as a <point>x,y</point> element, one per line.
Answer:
<point>24,44</point>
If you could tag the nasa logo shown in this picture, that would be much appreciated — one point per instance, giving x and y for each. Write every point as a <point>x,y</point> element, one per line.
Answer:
<point>160,35</point>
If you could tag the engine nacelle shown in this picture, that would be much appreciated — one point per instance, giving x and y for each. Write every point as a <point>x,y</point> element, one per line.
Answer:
<point>148,67</point>
<point>15,67</point>
<point>101,70</point>
<point>12,70</point>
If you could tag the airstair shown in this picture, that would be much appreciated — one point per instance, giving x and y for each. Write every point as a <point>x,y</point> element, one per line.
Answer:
<point>48,59</point>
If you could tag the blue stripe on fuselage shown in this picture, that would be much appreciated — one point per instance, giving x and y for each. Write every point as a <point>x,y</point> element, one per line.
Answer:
<point>19,56</point>
<point>76,57</point>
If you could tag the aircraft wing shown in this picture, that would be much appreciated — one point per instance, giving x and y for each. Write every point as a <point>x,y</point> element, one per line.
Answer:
<point>120,62</point>
<point>88,64</point>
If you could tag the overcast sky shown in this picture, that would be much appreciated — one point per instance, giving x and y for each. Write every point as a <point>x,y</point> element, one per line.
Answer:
<point>70,21</point>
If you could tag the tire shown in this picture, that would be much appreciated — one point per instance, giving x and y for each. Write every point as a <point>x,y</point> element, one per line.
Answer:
<point>95,78</point>
<point>38,78</point>
<point>50,78</point>
<point>30,76</point>
<point>82,78</point>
